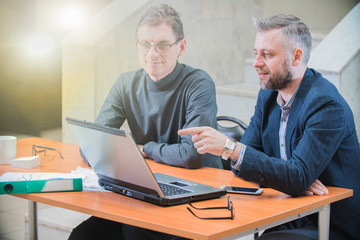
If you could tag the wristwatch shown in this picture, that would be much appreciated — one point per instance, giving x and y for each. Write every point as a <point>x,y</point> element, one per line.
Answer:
<point>229,148</point>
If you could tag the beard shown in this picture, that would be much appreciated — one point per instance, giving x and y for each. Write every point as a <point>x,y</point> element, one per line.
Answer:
<point>278,80</point>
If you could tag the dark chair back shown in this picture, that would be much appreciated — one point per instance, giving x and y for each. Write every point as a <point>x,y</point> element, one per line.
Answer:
<point>235,131</point>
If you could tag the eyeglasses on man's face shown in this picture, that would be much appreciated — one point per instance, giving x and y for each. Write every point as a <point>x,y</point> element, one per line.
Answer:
<point>228,207</point>
<point>161,47</point>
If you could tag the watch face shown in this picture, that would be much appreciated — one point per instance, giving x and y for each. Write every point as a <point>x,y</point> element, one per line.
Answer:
<point>230,144</point>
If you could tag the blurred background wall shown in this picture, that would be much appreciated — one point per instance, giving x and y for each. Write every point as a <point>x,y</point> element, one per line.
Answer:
<point>52,66</point>
<point>30,61</point>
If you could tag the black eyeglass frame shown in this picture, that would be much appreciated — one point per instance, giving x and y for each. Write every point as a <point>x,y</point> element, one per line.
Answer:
<point>34,151</point>
<point>229,207</point>
<point>156,46</point>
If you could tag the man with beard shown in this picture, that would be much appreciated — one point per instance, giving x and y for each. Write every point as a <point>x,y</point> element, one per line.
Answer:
<point>302,134</point>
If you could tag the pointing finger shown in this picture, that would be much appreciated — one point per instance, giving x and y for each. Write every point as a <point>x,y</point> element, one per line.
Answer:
<point>192,131</point>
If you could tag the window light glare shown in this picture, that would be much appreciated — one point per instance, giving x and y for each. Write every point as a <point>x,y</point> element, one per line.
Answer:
<point>71,18</point>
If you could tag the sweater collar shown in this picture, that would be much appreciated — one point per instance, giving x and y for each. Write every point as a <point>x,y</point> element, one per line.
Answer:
<point>166,82</point>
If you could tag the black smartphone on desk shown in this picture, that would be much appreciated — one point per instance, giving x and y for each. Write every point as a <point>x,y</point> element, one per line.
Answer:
<point>243,190</point>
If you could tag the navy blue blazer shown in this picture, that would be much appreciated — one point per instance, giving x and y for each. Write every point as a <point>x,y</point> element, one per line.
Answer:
<point>321,143</point>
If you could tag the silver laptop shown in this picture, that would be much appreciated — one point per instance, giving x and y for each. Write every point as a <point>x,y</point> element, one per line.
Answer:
<point>121,168</point>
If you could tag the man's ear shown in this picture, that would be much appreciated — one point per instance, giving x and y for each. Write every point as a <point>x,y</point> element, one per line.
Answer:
<point>297,56</point>
<point>182,47</point>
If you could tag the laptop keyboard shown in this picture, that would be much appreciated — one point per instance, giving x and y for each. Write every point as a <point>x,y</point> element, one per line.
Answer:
<point>169,190</point>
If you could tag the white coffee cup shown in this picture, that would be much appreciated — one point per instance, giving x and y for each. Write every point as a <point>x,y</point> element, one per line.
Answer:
<point>7,149</point>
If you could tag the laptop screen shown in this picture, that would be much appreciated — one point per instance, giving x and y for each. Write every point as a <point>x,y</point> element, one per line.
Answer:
<point>113,155</point>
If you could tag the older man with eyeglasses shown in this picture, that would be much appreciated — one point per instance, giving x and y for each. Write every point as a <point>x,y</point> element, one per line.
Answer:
<point>157,100</point>
<point>164,95</point>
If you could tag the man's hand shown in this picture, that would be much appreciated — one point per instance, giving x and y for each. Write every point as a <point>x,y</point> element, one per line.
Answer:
<point>317,188</point>
<point>141,148</point>
<point>206,139</point>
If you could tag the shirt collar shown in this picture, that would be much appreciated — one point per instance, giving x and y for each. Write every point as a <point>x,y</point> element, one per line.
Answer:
<point>286,105</point>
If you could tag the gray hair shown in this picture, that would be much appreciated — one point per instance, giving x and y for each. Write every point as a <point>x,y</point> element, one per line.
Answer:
<point>295,33</point>
<point>157,15</point>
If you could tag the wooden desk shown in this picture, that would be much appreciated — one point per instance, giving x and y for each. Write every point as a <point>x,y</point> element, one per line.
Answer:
<point>252,213</point>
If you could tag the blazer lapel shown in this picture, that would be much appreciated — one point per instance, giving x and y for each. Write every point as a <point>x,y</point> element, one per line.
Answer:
<point>294,115</point>
<point>292,125</point>
<point>274,124</point>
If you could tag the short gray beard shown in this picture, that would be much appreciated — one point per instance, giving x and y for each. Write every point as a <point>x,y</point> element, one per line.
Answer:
<point>279,80</point>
